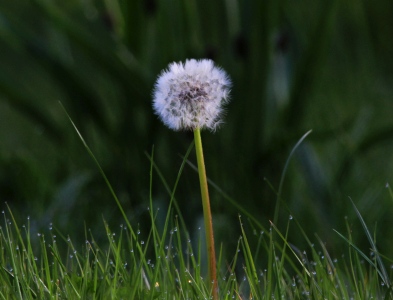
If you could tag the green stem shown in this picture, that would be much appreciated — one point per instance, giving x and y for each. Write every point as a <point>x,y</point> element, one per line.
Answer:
<point>211,254</point>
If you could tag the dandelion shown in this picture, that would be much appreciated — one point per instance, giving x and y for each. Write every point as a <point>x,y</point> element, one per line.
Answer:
<point>191,95</point>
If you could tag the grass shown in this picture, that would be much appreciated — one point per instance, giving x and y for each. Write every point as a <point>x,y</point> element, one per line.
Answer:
<point>167,262</point>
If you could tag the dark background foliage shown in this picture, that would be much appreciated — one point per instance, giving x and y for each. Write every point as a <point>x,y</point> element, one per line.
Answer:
<point>295,66</point>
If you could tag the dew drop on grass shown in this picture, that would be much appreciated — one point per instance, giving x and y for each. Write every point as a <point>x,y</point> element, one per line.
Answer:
<point>138,232</point>
<point>142,242</point>
<point>290,217</point>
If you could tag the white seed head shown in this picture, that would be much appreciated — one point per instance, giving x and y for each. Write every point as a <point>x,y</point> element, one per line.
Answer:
<point>191,95</point>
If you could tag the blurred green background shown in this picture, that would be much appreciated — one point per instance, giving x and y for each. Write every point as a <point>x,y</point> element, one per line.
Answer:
<point>295,66</point>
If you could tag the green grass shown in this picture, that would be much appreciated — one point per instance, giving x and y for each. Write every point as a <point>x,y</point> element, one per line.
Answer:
<point>167,262</point>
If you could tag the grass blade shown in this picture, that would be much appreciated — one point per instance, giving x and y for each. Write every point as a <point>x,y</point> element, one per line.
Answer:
<point>383,272</point>
<point>284,171</point>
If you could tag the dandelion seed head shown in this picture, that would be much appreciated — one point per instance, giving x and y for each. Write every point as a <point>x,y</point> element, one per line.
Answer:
<point>191,95</point>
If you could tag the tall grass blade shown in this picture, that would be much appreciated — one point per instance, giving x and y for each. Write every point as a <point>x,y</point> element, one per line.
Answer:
<point>384,274</point>
<point>284,172</point>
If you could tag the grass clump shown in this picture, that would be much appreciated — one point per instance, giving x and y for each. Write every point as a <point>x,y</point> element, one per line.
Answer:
<point>165,263</point>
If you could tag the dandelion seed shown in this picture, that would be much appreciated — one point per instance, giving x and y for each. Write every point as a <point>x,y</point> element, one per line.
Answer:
<point>191,95</point>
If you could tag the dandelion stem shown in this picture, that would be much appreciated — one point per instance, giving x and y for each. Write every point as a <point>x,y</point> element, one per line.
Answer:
<point>211,254</point>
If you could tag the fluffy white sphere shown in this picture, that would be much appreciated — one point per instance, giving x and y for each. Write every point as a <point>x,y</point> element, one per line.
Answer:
<point>191,95</point>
